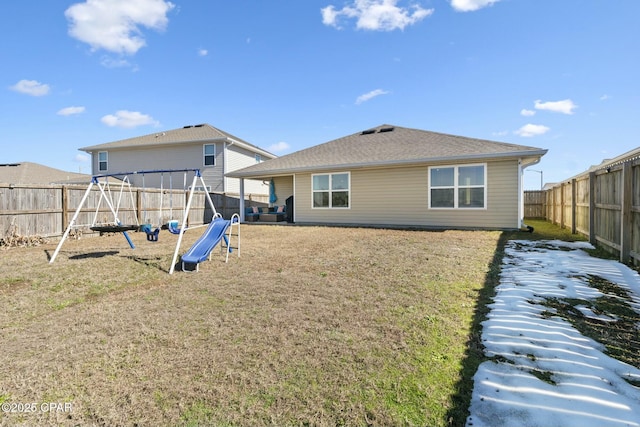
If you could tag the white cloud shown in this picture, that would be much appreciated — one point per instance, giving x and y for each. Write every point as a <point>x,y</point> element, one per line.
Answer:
<point>471,5</point>
<point>279,147</point>
<point>81,158</point>
<point>375,15</point>
<point>203,52</point>
<point>605,97</point>
<point>566,106</point>
<point>530,130</point>
<point>110,62</point>
<point>527,113</point>
<point>128,119</point>
<point>500,133</point>
<point>370,95</point>
<point>69,111</point>
<point>115,25</point>
<point>31,87</point>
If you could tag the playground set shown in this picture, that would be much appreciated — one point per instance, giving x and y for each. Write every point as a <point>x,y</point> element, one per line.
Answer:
<point>217,230</point>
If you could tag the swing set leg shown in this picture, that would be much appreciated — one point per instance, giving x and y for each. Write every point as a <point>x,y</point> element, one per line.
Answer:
<point>126,235</point>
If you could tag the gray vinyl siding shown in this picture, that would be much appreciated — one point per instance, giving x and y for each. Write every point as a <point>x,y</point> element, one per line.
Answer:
<point>238,158</point>
<point>399,196</point>
<point>168,157</point>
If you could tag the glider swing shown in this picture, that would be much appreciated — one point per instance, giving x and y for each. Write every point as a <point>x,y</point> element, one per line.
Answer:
<point>114,201</point>
<point>114,204</point>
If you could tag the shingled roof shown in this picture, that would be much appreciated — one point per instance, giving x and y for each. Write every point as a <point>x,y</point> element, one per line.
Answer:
<point>187,134</point>
<point>37,174</point>
<point>387,145</point>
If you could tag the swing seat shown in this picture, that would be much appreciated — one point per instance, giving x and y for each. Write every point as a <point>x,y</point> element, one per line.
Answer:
<point>152,236</point>
<point>173,228</point>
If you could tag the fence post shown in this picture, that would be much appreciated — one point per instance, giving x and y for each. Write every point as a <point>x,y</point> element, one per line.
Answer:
<point>574,209</point>
<point>592,208</point>
<point>562,217</point>
<point>625,213</point>
<point>65,208</point>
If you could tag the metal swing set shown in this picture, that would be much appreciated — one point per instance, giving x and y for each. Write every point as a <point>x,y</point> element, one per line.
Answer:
<point>114,200</point>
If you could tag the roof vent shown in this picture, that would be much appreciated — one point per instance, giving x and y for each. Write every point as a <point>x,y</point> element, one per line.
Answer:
<point>368,132</point>
<point>199,126</point>
<point>187,127</point>
<point>389,129</point>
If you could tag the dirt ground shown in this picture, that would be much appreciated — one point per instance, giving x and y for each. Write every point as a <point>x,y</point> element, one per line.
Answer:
<point>304,327</point>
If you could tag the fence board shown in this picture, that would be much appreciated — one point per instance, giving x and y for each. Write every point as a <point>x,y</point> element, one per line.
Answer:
<point>603,204</point>
<point>29,210</point>
<point>535,204</point>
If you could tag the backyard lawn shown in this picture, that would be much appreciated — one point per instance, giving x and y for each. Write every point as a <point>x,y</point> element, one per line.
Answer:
<point>310,326</point>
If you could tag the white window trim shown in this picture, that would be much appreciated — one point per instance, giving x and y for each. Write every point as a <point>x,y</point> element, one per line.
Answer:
<point>456,187</point>
<point>106,161</point>
<point>204,155</point>
<point>330,190</point>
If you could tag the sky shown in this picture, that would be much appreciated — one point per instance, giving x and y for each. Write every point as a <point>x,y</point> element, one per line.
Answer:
<point>589,387</point>
<point>287,75</point>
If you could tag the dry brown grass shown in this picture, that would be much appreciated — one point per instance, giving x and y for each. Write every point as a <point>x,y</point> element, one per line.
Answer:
<point>310,326</point>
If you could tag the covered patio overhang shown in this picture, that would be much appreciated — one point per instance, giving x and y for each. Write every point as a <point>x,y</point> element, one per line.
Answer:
<point>265,178</point>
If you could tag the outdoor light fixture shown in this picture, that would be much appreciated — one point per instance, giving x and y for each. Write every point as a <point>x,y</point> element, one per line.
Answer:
<point>540,172</point>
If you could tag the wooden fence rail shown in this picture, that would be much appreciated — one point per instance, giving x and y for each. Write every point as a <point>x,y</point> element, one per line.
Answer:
<point>45,210</point>
<point>602,204</point>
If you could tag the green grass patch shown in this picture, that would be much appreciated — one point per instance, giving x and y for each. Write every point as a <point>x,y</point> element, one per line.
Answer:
<point>545,230</point>
<point>619,333</point>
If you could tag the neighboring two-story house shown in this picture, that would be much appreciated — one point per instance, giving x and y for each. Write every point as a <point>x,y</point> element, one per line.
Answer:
<point>201,146</point>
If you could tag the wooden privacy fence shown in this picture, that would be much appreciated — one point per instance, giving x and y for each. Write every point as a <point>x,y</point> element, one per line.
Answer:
<point>45,210</point>
<point>602,204</point>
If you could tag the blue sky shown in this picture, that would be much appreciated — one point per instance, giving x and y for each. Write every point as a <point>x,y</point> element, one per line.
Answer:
<point>286,75</point>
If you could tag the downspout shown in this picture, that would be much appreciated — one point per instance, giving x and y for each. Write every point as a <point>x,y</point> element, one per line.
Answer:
<point>520,195</point>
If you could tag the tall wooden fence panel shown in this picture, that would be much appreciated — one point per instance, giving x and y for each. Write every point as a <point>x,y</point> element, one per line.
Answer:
<point>582,194</point>
<point>46,210</point>
<point>608,206</point>
<point>30,210</point>
<point>535,204</point>
<point>602,204</point>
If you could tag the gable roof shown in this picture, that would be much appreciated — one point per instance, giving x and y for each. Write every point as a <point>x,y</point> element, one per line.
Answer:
<point>188,134</point>
<point>34,173</point>
<point>388,145</point>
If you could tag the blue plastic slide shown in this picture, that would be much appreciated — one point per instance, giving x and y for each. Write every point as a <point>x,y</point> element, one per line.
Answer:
<point>204,245</point>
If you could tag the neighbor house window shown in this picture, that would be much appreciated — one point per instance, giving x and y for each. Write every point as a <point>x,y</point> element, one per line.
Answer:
<point>209,154</point>
<point>458,187</point>
<point>258,158</point>
<point>331,190</point>
<point>103,161</point>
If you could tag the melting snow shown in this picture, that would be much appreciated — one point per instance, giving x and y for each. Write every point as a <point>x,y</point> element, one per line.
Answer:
<point>582,386</point>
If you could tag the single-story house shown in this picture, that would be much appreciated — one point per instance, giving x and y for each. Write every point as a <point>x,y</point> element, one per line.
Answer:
<point>29,173</point>
<point>395,176</point>
<point>213,151</point>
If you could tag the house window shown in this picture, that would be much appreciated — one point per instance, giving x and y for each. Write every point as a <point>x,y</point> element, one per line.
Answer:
<point>258,158</point>
<point>458,187</point>
<point>209,154</point>
<point>331,190</point>
<point>103,161</point>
